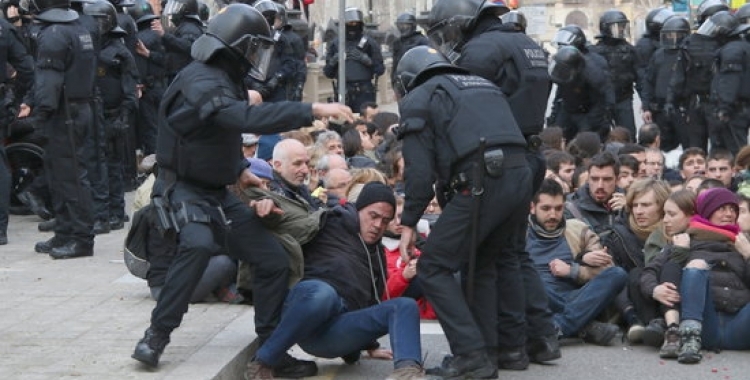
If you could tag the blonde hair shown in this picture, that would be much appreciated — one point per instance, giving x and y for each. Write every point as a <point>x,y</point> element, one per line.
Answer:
<point>660,188</point>
<point>359,178</point>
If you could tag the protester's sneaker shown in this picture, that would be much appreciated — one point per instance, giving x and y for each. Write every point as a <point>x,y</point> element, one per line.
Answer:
<point>293,368</point>
<point>408,373</point>
<point>635,333</point>
<point>599,333</point>
<point>690,350</point>
<point>671,347</point>
<point>149,349</point>
<point>653,335</point>
<point>258,371</point>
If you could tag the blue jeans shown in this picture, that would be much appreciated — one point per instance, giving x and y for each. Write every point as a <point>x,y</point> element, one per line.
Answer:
<point>575,308</point>
<point>720,330</point>
<point>315,318</point>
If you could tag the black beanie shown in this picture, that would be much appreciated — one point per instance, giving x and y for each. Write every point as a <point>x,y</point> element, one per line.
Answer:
<point>374,192</point>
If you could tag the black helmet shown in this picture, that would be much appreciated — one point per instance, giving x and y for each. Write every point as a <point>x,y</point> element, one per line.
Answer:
<point>355,24</point>
<point>515,18</point>
<point>417,64</point>
<point>141,12</point>
<point>242,30</point>
<point>268,9</point>
<point>570,35</point>
<point>614,24</point>
<point>353,15</point>
<point>566,64</point>
<point>656,18</point>
<point>122,3</point>
<point>177,10</point>
<point>49,10</point>
<point>203,11</point>
<point>720,24</point>
<point>673,32</point>
<point>105,15</point>
<point>708,8</point>
<point>450,22</point>
<point>406,23</point>
<point>282,15</point>
<point>743,14</point>
<point>493,7</point>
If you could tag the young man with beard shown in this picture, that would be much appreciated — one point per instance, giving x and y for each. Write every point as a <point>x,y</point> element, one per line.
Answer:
<point>578,274</point>
<point>598,201</point>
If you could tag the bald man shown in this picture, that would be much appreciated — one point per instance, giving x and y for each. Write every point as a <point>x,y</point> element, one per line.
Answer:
<point>336,182</point>
<point>290,171</point>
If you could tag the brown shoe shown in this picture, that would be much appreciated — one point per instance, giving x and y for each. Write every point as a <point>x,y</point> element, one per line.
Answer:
<point>258,371</point>
<point>408,373</point>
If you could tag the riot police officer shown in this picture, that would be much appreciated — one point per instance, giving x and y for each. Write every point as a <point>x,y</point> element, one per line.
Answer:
<point>408,37</point>
<point>296,52</point>
<point>204,112</point>
<point>649,42</point>
<point>451,135</point>
<point>150,59</point>
<point>614,28</point>
<point>656,82</point>
<point>743,14</point>
<point>13,52</point>
<point>364,61</point>
<point>692,75</point>
<point>183,26</point>
<point>729,87</point>
<point>64,84</point>
<point>116,80</point>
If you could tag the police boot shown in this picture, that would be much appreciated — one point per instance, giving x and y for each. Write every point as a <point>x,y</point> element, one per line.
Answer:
<point>543,349</point>
<point>116,223</point>
<point>3,238</point>
<point>513,358</point>
<point>101,227</point>
<point>474,365</point>
<point>47,225</point>
<point>47,245</point>
<point>149,349</point>
<point>72,249</point>
<point>35,204</point>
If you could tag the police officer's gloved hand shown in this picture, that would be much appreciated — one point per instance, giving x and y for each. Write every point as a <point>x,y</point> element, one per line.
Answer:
<point>274,82</point>
<point>669,109</point>
<point>723,115</point>
<point>359,56</point>
<point>297,93</point>
<point>333,60</point>
<point>262,88</point>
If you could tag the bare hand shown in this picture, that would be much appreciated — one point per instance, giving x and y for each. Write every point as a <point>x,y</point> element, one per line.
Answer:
<point>156,27</point>
<point>139,91</point>
<point>410,270</point>
<point>647,117</point>
<point>333,110</point>
<point>24,110</point>
<point>380,354</point>
<point>743,245</point>
<point>681,240</point>
<point>559,268</point>
<point>265,207</point>
<point>141,49</point>
<point>408,237</point>
<point>617,202</point>
<point>597,258</point>
<point>667,294</point>
<point>254,97</point>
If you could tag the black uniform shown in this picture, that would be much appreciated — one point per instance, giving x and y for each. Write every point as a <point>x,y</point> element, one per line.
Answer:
<point>443,120</point>
<point>730,90</point>
<point>201,118</point>
<point>178,44</point>
<point>296,51</point>
<point>692,80</point>
<point>364,63</point>
<point>153,79</point>
<point>624,72</point>
<point>116,80</point>
<point>644,49</point>
<point>13,52</point>
<point>654,98</point>
<point>518,65</point>
<point>282,70</point>
<point>64,83</point>
<point>401,45</point>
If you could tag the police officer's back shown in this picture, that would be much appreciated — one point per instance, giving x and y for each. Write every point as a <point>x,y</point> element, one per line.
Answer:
<point>364,60</point>
<point>444,117</point>
<point>408,37</point>
<point>182,27</point>
<point>64,83</point>
<point>649,42</point>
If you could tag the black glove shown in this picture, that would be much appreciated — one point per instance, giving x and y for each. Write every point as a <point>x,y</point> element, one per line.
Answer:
<point>297,92</point>
<point>119,125</point>
<point>274,82</point>
<point>723,114</point>
<point>359,56</point>
<point>262,88</point>
<point>669,109</point>
<point>333,60</point>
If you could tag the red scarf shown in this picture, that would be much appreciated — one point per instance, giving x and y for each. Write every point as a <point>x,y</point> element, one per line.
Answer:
<point>729,230</point>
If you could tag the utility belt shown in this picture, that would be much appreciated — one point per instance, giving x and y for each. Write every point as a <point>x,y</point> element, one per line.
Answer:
<point>359,87</point>
<point>496,160</point>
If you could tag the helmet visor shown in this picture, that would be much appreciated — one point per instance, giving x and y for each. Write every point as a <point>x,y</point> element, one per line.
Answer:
<point>405,28</point>
<point>671,40</point>
<point>564,38</point>
<point>661,17</point>
<point>257,50</point>
<point>561,73</point>
<point>711,29</point>
<point>619,30</point>
<point>448,37</point>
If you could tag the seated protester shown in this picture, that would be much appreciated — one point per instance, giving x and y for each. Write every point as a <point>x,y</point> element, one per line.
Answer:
<point>709,183</point>
<point>580,177</point>
<point>693,183</point>
<point>692,162</point>
<point>560,167</point>
<point>714,293</point>
<point>354,150</point>
<point>585,146</point>
<point>599,201</point>
<point>330,142</point>
<point>654,163</point>
<point>649,136</point>
<point>639,153</point>
<point>335,310</point>
<point>628,171</point>
<point>578,274</point>
<point>644,211</point>
<point>719,165</point>
<point>402,277</point>
<point>660,279</point>
<point>743,220</point>
<point>552,139</point>
<point>290,170</point>
<point>361,177</point>
<point>371,142</point>
<point>336,181</point>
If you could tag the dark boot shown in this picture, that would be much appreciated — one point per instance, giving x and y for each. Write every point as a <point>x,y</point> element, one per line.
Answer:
<point>293,368</point>
<point>72,249</point>
<point>543,349</point>
<point>474,365</point>
<point>47,245</point>
<point>654,334</point>
<point>3,238</point>
<point>515,359</point>
<point>599,333</point>
<point>116,223</point>
<point>101,227</point>
<point>149,349</point>
<point>46,226</point>
<point>35,204</point>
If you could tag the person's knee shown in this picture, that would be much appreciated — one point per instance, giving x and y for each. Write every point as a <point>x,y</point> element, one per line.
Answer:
<point>697,264</point>
<point>318,295</point>
<point>405,306</point>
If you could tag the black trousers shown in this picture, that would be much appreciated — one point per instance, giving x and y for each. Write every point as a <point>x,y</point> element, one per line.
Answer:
<point>115,161</point>
<point>148,114</point>
<point>358,93</point>
<point>470,328</point>
<point>65,167</point>
<point>247,240</point>
<point>96,161</point>
<point>5,184</point>
<point>699,113</point>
